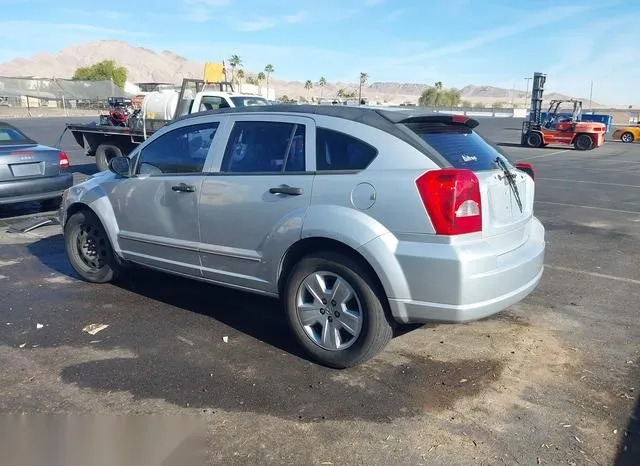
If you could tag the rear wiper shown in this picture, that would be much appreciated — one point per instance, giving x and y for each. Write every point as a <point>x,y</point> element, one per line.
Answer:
<point>511,179</point>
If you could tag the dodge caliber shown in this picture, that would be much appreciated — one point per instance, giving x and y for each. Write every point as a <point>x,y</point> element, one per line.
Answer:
<point>357,219</point>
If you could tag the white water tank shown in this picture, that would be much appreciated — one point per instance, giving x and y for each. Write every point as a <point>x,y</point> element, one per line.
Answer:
<point>160,105</point>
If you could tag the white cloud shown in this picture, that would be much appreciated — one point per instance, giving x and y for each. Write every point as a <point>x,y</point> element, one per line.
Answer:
<point>255,25</point>
<point>295,18</point>
<point>392,16</point>
<point>14,28</point>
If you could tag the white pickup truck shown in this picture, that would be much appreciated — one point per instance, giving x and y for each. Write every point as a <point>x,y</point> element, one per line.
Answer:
<point>130,122</point>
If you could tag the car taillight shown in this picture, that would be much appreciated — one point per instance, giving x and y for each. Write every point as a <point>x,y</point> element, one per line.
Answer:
<point>452,200</point>
<point>64,160</point>
<point>527,168</point>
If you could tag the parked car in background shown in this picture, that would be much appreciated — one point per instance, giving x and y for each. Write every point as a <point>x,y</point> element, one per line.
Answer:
<point>30,171</point>
<point>626,134</point>
<point>358,219</point>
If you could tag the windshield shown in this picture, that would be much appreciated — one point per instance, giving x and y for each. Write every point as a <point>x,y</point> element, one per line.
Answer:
<point>249,101</point>
<point>459,145</point>
<point>11,135</point>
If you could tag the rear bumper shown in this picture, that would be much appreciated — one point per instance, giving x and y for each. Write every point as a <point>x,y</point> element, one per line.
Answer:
<point>448,283</point>
<point>35,189</point>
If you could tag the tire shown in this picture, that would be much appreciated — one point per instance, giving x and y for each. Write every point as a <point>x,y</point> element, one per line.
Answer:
<point>375,328</point>
<point>534,139</point>
<point>627,137</point>
<point>583,142</point>
<point>104,153</point>
<point>51,204</point>
<point>106,266</point>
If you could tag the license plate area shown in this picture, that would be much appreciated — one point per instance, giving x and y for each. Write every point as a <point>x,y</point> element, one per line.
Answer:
<point>26,169</point>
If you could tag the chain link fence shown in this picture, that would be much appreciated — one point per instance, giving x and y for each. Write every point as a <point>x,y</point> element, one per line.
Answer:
<point>57,93</point>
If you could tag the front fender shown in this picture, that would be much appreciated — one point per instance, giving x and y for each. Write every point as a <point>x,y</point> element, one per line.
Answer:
<point>92,193</point>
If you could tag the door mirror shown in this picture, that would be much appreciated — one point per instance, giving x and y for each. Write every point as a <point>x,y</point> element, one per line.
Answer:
<point>120,166</point>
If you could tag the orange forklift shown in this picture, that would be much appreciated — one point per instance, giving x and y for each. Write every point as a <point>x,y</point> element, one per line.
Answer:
<point>556,128</point>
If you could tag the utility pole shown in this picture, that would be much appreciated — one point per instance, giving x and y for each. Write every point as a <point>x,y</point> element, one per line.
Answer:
<point>591,97</point>
<point>526,97</point>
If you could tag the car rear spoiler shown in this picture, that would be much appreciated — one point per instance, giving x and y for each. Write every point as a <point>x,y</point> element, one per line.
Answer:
<point>443,119</point>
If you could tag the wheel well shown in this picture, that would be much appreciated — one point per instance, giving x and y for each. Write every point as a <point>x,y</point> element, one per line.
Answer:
<point>310,245</point>
<point>75,208</point>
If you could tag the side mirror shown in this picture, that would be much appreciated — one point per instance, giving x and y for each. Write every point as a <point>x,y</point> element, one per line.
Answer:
<point>120,166</point>
<point>527,168</point>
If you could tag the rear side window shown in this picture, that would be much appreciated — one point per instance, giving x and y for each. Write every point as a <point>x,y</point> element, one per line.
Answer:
<point>459,145</point>
<point>265,147</point>
<point>338,151</point>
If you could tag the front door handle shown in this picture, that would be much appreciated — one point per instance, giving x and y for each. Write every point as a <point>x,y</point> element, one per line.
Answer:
<point>289,190</point>
<point>184,188</point>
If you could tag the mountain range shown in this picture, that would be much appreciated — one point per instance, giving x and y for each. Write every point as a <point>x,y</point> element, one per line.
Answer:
<point>145,65</point>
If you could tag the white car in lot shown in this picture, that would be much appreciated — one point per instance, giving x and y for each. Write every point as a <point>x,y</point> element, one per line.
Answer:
<point>358,219</point>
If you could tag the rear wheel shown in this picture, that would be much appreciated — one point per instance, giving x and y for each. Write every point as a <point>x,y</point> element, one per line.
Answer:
<point>104,153</point>
<point>88,248</point>
<point>583,142</point>
<point>336,310</point>
<point>534,139</point>
<point>627,137</point>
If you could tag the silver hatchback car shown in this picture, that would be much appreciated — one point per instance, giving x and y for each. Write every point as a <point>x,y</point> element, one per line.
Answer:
<point>359,219</point>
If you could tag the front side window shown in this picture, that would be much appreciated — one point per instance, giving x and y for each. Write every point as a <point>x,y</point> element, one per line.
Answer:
<point>265,147</point>
<point>183,150</point>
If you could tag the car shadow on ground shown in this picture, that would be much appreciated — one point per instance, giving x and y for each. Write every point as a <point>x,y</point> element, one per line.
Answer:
<point>184,359</point>
<point>260,317</point>
<point>629,449</point>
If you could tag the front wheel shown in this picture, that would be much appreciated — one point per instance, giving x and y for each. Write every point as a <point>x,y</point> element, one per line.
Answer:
<point>88,248</point>
<point>335,310</point>
<point>534,139</point>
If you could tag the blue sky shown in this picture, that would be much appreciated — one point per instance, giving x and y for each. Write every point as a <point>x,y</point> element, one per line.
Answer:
<point>458,42</point>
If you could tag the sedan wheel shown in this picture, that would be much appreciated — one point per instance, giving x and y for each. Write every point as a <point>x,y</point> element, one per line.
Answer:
<point>627,137</point>
<point>336,309</point>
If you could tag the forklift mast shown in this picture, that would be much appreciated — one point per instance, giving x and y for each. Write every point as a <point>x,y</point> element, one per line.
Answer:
<point>537,90</point>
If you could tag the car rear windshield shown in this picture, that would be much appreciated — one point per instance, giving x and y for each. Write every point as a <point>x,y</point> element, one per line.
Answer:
<point>459,145</point>
<point>10,136</point>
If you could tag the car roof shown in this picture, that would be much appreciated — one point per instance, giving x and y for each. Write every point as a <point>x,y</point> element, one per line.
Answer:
<point>387,120</point>
<point>372,116</point>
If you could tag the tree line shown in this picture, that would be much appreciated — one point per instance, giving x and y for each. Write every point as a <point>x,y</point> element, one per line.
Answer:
<point>432,96</point>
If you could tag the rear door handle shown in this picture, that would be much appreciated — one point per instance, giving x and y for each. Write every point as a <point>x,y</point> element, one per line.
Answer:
<point>289,190</point>
<point>184,188</point>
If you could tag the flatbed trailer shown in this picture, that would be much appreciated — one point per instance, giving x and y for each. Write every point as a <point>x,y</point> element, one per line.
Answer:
<point>105,142</point>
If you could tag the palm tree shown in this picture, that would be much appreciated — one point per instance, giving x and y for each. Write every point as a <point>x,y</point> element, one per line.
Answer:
<point>269,69</point>
<point>239,78</point>
<point>363,80</point>
<point>261,78</point>
<point>322,82</point>
<point>308,85</point>
<point>235,62</point>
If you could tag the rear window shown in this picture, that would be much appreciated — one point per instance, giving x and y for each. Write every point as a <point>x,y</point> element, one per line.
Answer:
<point>459,145</point>
<point>10,135</point>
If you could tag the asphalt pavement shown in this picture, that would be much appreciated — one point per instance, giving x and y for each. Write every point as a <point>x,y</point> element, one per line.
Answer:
<point>552,380</point>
